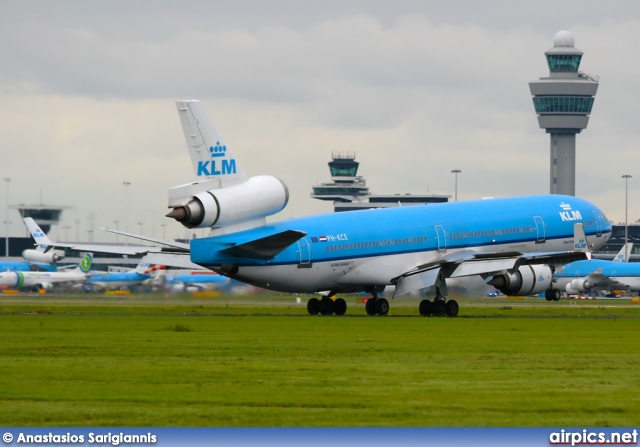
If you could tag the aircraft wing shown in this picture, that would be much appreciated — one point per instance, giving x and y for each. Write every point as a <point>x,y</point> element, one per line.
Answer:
<point>600,281</point>
<point>177,246</point>
<point>468,263</point>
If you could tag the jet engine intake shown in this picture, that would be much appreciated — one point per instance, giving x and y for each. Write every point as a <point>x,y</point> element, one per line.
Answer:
<point>260,196</point>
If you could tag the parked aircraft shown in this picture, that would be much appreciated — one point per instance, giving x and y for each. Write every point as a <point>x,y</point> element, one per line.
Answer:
<point>514,241</point>
<point>9,266</point>
<point>198,281</point>
<point>123,279</point>
<point>599,274</point>
<point>45,280</point>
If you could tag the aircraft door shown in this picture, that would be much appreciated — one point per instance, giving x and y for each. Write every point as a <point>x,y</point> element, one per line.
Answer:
<point>441,235</point>
<point>305,253</point>
<point>541,236</point>
<point>599,222</point>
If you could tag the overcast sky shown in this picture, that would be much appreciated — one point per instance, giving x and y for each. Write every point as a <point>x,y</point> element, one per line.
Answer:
<point>414,88</point>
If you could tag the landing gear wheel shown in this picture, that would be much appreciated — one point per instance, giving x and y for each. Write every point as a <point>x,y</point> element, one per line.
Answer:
<point>371,306</point>
<point>382,306</point>
<point>425,308</point>
<point>326,306</point>
<point>452,308</point>
<point>313,306</point>
<point>439,308</point>
<point>552,295</point>
<point>340,306</point>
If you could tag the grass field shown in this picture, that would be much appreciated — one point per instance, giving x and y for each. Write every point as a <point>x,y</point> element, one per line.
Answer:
<point>155,361</point>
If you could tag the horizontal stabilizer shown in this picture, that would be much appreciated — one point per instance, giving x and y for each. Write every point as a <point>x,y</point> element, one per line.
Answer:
<point>267,247</point>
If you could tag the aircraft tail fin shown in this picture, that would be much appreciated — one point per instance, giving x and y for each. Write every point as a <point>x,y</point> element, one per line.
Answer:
<point>38,235</point>
<point>624,253</point>
<point>142,267</point>
<point>210,155</point>
<point>580,240</point>
<point>85,263</point>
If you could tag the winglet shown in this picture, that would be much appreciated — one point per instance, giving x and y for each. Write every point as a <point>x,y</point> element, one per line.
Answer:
<point>210,155</point>
<point>580,240</point>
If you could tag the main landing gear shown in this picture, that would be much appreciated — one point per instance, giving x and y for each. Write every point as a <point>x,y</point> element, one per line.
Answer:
<point>326,306</point>
<point>553,294</point>
<point>377,306</point>
<point>439,308</point>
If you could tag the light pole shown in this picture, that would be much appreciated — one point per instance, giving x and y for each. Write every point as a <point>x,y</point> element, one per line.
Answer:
<point>126,210</point>
<point>7,222</point>
<point>163,232</point>
<point>66,232</point>
<point>116,222</point>
<point>626,178</point>
<point>456,172</point>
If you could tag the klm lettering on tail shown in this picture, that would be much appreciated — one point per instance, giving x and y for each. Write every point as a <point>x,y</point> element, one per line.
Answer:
<point>228,167</point>
<point>568,214</point>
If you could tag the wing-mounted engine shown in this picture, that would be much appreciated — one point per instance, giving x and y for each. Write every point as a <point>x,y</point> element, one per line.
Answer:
<point>42,257</point>
<point>527,280</point>
<point>578,285</point>
<point>204,204</point>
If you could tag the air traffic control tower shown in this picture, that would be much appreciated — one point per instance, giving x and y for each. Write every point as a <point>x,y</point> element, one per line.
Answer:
<point>563,102</point>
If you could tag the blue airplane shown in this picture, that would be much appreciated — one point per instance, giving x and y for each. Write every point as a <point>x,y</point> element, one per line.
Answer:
<point>199,281</point>
<point>513,243</point>
<point>598,275</point>
<point>114,280</point>
<point>10,266</point>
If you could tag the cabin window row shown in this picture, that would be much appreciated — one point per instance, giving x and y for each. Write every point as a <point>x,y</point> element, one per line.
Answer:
<point>380,243</point>
<point>497,232</point>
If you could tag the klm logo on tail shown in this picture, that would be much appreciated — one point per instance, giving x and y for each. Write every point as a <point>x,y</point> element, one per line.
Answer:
<point>208,168</point>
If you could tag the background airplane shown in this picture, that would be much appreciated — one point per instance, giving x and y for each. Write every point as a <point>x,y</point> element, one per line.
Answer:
<point>599,275</point>
<point>46,280</point>
<point>198,281</point>
<point>114,280</point>
<point>513,241</point>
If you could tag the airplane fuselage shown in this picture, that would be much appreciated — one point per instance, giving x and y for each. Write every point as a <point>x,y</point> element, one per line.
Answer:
<point>351,250</point>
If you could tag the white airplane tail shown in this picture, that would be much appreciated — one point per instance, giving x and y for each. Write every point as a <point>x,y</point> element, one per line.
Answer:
<point>210,155</point>
<point>43,252</point>
<point>624,253</point>
<point>223,198</point>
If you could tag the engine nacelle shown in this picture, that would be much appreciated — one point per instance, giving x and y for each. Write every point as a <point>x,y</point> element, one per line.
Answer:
<point>570,290</point>
<point>258,197</point>
<point>42,257</point>
<point>527,280</point>
<point>579,285</point>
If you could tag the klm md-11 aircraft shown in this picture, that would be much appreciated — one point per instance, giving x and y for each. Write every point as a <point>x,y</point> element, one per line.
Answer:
<point>514,243</point>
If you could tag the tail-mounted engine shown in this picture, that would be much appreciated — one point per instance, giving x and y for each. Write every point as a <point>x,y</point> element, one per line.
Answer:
<point>204,204</point>
<point>527,280</point>
<point>42,257</point>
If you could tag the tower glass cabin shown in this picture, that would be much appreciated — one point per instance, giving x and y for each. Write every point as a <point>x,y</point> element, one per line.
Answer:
<point>563,103</point>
